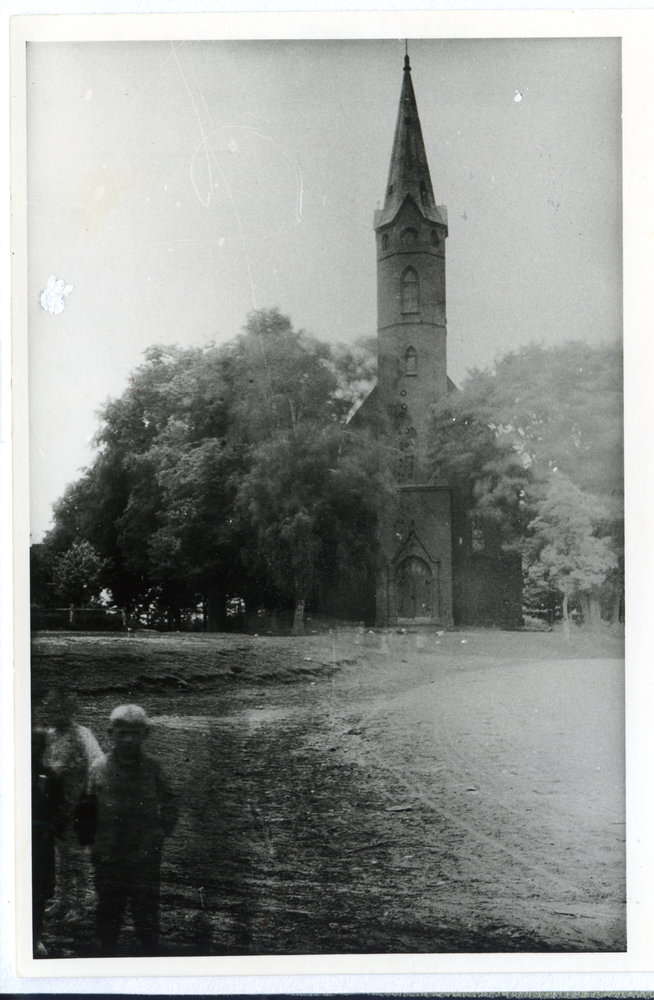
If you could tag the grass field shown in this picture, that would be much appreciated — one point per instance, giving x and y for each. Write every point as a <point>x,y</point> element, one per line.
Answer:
<point>357,792</point>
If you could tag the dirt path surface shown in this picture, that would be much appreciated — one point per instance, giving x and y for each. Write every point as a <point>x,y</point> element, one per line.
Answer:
<point>371,793</point>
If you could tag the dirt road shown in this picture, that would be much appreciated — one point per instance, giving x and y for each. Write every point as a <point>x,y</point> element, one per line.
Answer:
<point>360,792</point>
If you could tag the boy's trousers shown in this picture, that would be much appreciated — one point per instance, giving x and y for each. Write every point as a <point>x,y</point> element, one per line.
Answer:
<point>138,881</point>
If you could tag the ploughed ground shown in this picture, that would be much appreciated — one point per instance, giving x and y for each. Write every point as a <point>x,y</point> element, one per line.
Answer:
<point>357,792</point>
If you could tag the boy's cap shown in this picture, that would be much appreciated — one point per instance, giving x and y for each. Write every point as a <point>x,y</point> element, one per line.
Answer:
<point>133,715</point>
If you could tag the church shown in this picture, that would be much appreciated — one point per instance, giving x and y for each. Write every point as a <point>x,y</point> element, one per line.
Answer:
<point>435,567</point>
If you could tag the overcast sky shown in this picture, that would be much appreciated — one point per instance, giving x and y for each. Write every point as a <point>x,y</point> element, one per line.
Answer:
<point>179,186</point>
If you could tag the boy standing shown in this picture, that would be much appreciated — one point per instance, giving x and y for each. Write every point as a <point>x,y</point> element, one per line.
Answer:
<point>126,812</point>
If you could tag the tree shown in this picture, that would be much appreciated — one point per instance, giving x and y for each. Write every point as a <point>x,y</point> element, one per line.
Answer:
<point>196,538</point>
<point>78,574</point>
<point>41,584</point>
<point>158,503</point>
<point>280,378</point>
<point>567,553</point>
<point>537,414</point>
<point>488,475</point>
<point>310,502</point>
<point>560,407</point>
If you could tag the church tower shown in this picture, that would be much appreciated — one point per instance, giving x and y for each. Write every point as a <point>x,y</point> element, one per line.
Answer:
<point>415,579</point>
<point>436,566</point>
<point>411,326</point>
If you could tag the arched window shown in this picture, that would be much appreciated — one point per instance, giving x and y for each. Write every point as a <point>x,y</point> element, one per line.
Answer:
<point>410,291</point>
<point>410,361</point>
<point>433,237</point>
<point>385,241</point>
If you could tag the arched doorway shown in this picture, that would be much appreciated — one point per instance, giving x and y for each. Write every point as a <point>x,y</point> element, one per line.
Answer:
<point>413,583</point>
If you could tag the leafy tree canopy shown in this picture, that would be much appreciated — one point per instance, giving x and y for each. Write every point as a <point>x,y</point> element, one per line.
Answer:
<point>567,551</point>
<point>310,502</point>
<point>534,446</point>
<point>557,408</point>
<point>78,574</point>
<point>159,503</point>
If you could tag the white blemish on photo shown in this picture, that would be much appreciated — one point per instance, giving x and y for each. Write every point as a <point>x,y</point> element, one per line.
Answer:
<point>54,295</point>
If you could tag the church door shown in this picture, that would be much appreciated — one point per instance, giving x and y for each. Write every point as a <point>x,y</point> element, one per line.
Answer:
<point>414,589</point>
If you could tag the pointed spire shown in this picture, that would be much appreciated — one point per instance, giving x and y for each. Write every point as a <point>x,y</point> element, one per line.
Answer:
<point>409,170</point>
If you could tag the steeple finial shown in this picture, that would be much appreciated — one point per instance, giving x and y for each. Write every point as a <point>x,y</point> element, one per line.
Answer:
<point>407,64</point>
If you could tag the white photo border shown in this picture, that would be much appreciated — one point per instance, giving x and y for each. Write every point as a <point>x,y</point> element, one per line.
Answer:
<point>636,28</point>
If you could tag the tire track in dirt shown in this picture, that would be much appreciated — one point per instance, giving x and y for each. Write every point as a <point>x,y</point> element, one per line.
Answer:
<point>558,893</point>
<point>493,842</point>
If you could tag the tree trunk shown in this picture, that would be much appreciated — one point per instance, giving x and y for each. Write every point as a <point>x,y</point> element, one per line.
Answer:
<point>592,612</point>
<point>595,612</point>
<point>566,617</point>
<point>298,617</point>
<point>216,610</point>
<point>615,607</point>
<point>175,618</point>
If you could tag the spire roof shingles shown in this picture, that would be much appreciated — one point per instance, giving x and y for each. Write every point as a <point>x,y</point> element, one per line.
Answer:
<point>408,175</point>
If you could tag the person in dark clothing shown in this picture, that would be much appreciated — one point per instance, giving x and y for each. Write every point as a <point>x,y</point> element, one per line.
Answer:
<point>49,817</point>
<point>125,813</point>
